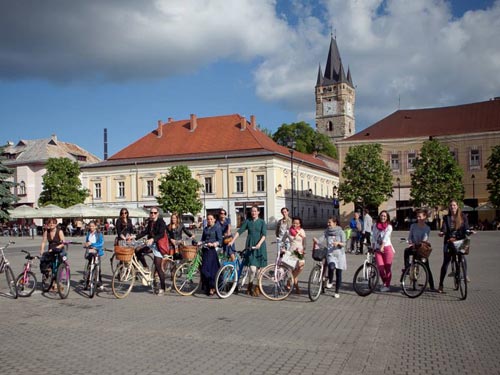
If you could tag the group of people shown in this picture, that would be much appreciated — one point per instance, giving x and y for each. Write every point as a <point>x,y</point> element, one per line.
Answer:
<point>217,234</point>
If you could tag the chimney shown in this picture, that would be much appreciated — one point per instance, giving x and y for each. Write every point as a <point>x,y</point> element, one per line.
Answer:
<point>243,123</point>
<point>159,131</point>
<point>105,144</point>
<point>252,121</point>
<point>193,123</point>
<point>54,137</point>
<point>170,119</point>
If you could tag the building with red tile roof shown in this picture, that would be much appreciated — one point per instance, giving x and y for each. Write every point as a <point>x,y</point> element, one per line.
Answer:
<point>237,163</point>
<point>469,130</point>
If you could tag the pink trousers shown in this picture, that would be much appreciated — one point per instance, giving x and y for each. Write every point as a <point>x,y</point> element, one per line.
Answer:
<point>384,264</point>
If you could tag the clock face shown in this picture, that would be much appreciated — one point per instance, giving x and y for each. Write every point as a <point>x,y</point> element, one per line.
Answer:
<point>329,108</point>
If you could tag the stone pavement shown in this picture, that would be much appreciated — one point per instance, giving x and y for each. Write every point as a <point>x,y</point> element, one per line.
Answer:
<point>384,333</point>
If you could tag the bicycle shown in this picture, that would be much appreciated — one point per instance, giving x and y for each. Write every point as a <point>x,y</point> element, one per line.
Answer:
<point>366,277</point>
<point>91,272</point>
<point>415,276</point>
<point>136,244</point>
<point>232,276</point>
<point>460,248</point>
<point>26,280</point>
<point>59,273</point>
<point>316,282</point>
<point>276,279</point>
<point>187,277</point>
<point>5,267</point>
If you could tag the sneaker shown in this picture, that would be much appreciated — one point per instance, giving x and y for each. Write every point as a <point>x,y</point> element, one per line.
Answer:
<point>329,285</point>
<point>336,295</point>
<point>161,292</point>
<point>468,279</point>
<point>100,288</point>
<point>384,289</point>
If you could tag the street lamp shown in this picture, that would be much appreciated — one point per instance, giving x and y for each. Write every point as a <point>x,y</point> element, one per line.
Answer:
<point>473,177</point>
<point>291,149</point>
<point>398,180</point>
<point>204,202</point>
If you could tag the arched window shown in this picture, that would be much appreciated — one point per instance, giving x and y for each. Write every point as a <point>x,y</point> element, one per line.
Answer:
<point>330,126</point>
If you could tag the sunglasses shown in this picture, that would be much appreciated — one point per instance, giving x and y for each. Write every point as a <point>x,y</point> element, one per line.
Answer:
<point>222,213</point>
<point>153,212</point>
<point>123,213</point>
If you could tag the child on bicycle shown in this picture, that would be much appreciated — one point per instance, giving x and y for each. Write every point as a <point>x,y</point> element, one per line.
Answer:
<point>54,236</point>
<point>94,242</point>
<point>334,239</point>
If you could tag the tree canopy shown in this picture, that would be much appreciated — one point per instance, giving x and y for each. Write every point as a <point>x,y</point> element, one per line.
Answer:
<point>179,191</point>
<point>7,198</point>
<point>307,140</point>
<point>437,177</point>
<point>367,179</point>
<point>493,167</point>
<point>61,184</point>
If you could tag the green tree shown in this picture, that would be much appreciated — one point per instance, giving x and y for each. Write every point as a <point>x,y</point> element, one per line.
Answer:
<point>7,198</point>
<point>61,184</point>
<point>307,140</point>
<point>367,179</point>
<point>493,167</point>
<point>437,177</point>
<point>179,191</point>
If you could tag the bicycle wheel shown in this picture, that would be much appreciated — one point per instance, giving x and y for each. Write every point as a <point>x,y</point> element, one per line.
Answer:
<point>93,277</point>
<point>113,263</point>
<point>462,280</point>
<point>315,283</point>
<point>123,280</point>
<point>47,280</point>
<point>226,280</point>
<point>168,266</point>
<point>187,279</point>
<point>275,282</point>
<point>63,280</point>
<point>26,285</point>
<point>414,279</point>
<point>365,279</point>
<point>11,281</point>
<point>155,280</point>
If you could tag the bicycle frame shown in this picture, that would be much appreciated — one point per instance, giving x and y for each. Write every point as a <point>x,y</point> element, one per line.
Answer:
<point>4,262</point>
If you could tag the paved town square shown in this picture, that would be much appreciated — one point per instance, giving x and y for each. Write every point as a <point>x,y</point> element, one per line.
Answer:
<point>384,333</point>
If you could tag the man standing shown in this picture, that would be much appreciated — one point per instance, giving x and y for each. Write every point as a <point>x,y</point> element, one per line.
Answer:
<point>356,224</point>
<point>284,224</point>
<point>367,230</point>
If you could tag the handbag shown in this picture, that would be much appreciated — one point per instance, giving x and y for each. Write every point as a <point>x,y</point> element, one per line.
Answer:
<point>163,245</point>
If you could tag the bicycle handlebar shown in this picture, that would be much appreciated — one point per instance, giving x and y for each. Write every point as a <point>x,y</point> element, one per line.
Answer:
<point>29,256</point>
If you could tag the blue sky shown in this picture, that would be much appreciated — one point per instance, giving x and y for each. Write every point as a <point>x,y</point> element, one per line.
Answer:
<point>74,68</point>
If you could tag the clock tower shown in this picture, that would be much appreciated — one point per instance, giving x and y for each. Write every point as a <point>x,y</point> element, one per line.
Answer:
<point>335,97</point>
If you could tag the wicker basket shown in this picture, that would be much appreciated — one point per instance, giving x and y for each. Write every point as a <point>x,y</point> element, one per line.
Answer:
<point>123,253</point>
<point>188,252</point>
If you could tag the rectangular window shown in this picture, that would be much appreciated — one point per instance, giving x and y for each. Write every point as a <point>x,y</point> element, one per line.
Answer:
<point>412,156</point>
<point>395,162</point>
<point>260,182</point>
<point>475,158</point>
<point>150,188</point>
<point>454,154</point>
<point>97,190</point>
<point>208,185</point>
<point>239,184</point>
<point>121,189</point>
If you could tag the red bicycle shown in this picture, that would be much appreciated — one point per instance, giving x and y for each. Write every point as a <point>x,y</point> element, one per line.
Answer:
<point>26,281</point>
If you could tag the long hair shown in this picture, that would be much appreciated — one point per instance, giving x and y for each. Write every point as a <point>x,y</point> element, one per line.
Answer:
<point>458,217</point>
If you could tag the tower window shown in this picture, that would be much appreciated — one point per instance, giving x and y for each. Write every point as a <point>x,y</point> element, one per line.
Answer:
<point>330,126</point>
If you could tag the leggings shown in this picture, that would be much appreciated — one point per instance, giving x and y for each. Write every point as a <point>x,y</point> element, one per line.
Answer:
<point>384,264</point>
<point>160,272</point>
<point>338,276</point>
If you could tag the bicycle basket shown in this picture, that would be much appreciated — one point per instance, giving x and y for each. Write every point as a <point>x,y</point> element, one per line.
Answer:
<point>124,253</point>
<point>188,252</point>
<point>319,254</point>
<point>289,259</point>
<point>424,249</point>
<point>462,246</point>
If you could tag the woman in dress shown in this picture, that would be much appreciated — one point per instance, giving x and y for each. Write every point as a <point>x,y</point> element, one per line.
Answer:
<point>297,237</point>
<point>211,239</point>
<point>256,238</point>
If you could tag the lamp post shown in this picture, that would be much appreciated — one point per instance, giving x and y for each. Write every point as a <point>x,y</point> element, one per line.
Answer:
<point>204,202</point>
<point>473,177</point>
<point>398,180</point>
<point>291,149</point>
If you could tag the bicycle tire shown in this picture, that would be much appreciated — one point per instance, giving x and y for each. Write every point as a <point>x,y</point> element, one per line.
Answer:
<point>185,285</point>
<point>226,280</point>
<point>276,285</point>
<point>94,274</point>
<point>315,283</point>
<point>365,279</point>
<point>11,281</point>
<point>26,285</point>
<point>114,263</point>
<point>63,280</point>
<point>462,282</point>
<point>123,280</point>
<point>155,282</point>
<point>415,279</point>
<point>168,266</point>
